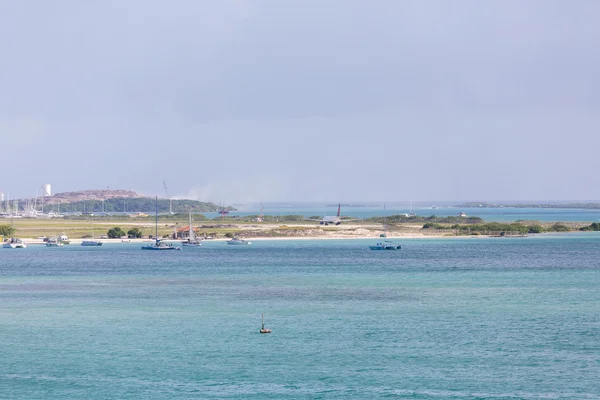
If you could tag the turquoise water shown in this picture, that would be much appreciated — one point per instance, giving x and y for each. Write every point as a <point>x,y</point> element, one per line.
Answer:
<point>441,318</point>
<point>488,214</point>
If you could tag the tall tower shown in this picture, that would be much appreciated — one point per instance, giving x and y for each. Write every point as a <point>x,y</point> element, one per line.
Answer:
<point>47,190</point>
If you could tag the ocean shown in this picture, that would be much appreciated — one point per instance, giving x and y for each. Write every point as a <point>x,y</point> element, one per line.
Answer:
<point>506,214</point>
<point>455,318</point>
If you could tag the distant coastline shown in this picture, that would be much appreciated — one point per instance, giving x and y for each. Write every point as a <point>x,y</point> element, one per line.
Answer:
<point>581,206</point>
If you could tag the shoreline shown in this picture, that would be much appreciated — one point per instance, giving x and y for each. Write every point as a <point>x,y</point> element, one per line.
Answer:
<point>77,242</point>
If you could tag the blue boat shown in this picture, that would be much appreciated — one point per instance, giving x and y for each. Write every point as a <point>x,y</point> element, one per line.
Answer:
<point>386,245</point>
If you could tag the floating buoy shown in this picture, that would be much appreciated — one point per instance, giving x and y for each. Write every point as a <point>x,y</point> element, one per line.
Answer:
<point>263,329</point>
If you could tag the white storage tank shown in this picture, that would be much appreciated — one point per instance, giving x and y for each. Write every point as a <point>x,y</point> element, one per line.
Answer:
<point>47,188</point>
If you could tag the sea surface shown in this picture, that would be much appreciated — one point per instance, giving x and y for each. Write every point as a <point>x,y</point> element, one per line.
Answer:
<point>456,318</point>
<point>507,214</point>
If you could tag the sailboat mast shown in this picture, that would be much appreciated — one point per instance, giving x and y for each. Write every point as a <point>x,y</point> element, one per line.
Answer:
<point>156,217</point>
<point>191,232</point>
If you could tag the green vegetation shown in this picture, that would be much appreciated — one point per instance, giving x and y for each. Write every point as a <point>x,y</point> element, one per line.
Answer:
<point>265,218</point>
<point>134,233</point>
<point>115,233</point>
<point>558,227</point>
<point>496,228</point>
<point>132,205</point>
<point>595,226</point>
<point>6,230</point>
<point>431,219</point>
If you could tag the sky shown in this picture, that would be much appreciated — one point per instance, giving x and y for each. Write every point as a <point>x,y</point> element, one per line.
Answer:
<point>237,101</point>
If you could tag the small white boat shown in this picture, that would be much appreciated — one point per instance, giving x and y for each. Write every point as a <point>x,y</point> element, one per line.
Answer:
<point>462,214</point>
<point>14,243</point>
<point>53,242</point>
<point>238,241</point>
<point>64,239</point>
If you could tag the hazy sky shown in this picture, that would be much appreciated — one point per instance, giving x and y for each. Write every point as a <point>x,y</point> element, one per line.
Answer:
<point>243,101</point>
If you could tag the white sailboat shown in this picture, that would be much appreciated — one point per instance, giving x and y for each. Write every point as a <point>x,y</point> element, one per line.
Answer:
<point>92,242</point>
<point>191,241</point>
<point>159,244</point>
<point>262,326</point>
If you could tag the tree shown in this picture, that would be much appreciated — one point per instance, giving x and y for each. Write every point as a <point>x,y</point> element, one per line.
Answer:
<point>134,233</point>
<point>115,233</point>
<point>535,229</point>
<point>6,230</point>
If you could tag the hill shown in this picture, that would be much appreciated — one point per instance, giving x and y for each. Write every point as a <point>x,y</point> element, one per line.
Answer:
<point>90,201</point>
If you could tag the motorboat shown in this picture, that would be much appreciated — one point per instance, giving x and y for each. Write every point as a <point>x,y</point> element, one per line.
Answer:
<point>238,241</point>
<point>64,239</point>
<point>14,243</point>
<point>54,242</point>
<point>386,245</point>
<point>91,243</point>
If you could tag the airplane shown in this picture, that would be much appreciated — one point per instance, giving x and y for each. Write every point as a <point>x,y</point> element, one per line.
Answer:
<point>334,219</point>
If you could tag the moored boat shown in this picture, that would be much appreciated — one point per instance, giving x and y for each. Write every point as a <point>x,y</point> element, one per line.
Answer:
<point>54,242</point>
<point>386,245</point>
<point>14,243</point>
<point>159,244</point>
<point>91,243</point>
<point>191,241</point>
<point>238,241</point>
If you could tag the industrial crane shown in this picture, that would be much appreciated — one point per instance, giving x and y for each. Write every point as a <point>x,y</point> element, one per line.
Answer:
<point>170,199</point>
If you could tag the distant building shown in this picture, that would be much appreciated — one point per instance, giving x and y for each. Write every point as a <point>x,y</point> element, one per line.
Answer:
<point>184,232</point>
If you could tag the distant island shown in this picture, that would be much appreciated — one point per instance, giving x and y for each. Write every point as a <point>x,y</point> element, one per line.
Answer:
<point>583,206</point>
<point>110,201</point>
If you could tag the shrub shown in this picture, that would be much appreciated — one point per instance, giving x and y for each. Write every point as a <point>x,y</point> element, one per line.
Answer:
<point>558,227</point>
<point>115,233</point>
<point>134,233</point>
<point>6,230</point>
